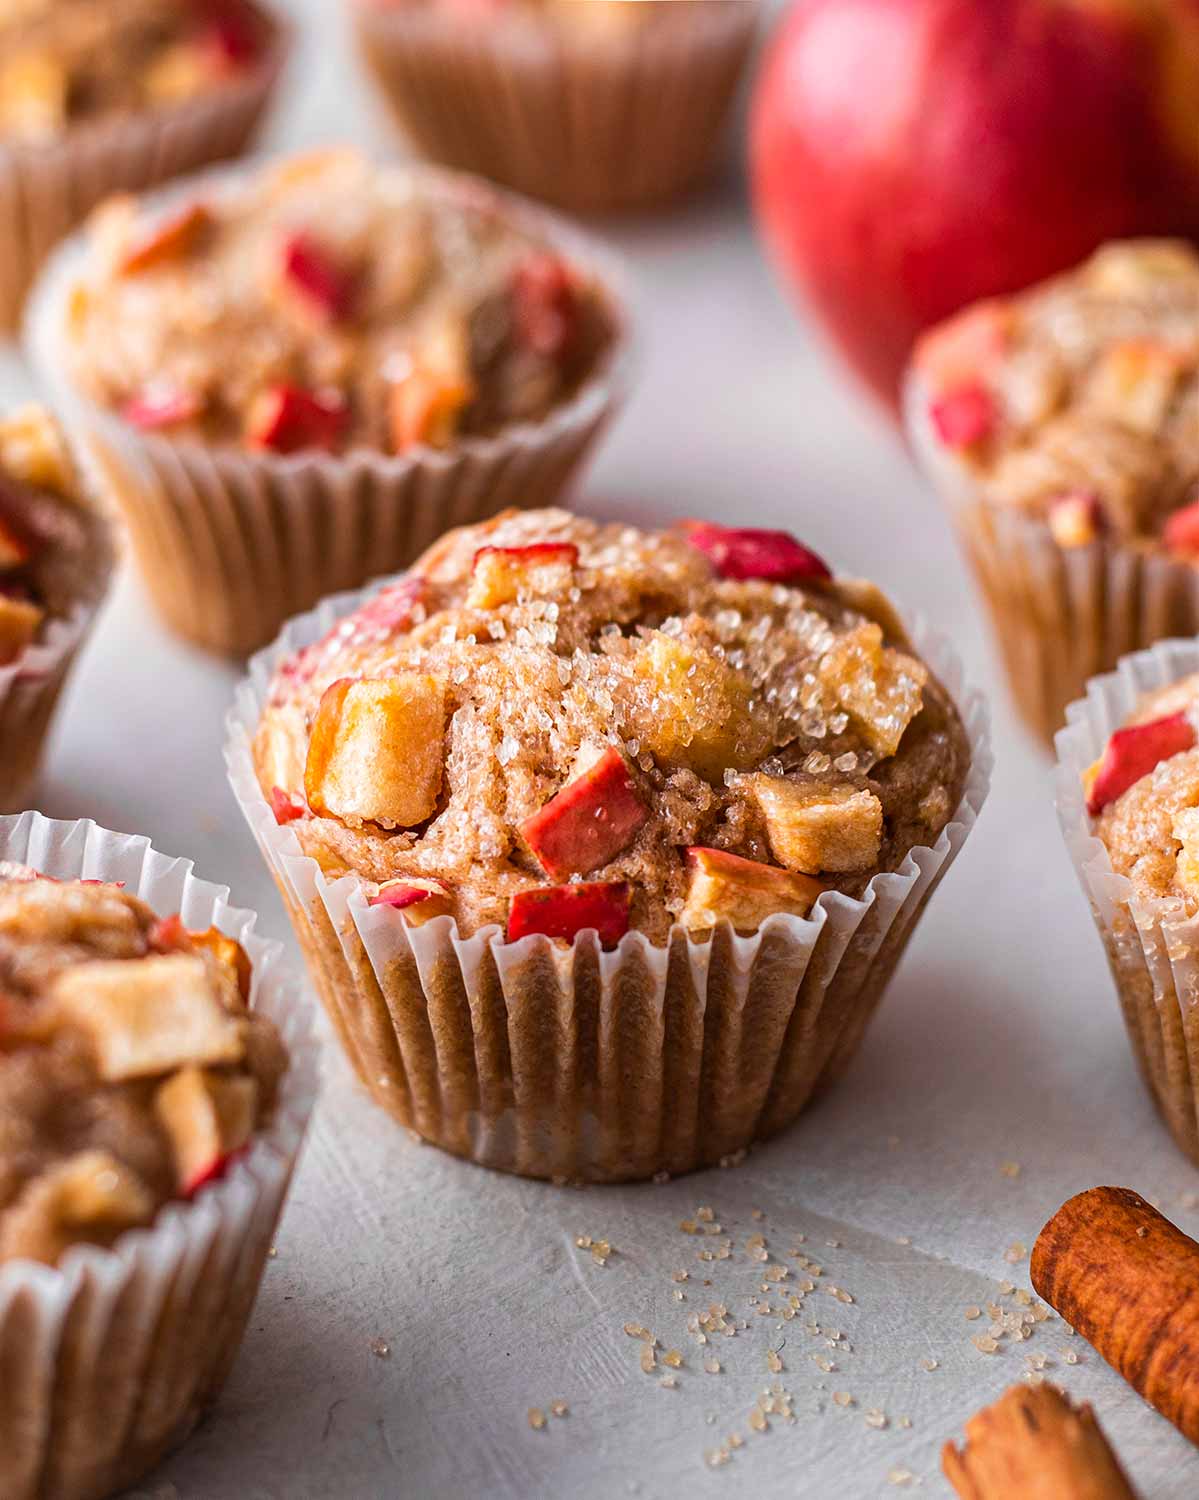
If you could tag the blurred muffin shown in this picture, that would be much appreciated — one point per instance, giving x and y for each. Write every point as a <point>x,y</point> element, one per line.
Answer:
<point>319,393</point>
<point>598,106</point>
<point>98,96</point>
<point>1062,425</point>
<point>554,738</point>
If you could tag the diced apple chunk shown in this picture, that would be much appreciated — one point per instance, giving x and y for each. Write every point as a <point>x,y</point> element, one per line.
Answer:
<point>589,821</point>
<point>964,417</point>
<point>91,1197</point>
<point>1077,520</point>
<point>836,828</point>
<point>742,552</point>
<point>1134,383</point>
<point>19,624</point>
<point>169,239</point>
<point>563,911</point>
<point>697,708</point>
<point>745,891</point>
<point>230,955</point>
<point>420,900</point>
<point>34,451</point>
<point>881,689</point>
<point>376,751</point>
<point>1133,752</point>
<point>1181,531</point>
<point>501,575</point>
<point>1186,831</point>
<point>147,1016</point>
<point>424,408</point>
<point>207,1118</point>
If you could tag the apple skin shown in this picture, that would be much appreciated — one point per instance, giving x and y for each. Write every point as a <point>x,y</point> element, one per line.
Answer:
<point>912,156</point>
<point>312,273</point>
<point>170,239</point>
<point>743,552</point>
<point>1132,753</point>
<point>545,306</point>
<point>288,419</point>
<point>589,821</point>
<point>1181,531</point>
<point>563,911</point>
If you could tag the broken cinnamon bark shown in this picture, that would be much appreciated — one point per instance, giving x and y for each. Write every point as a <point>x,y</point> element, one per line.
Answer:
<point>1034,1444</point>
<point>1128,1280</point>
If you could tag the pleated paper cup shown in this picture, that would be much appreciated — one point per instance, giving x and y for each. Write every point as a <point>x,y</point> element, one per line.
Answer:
<point>30,686</point>
<point>1061,615</point>
<point>47,188</point>
<point>108,1360</point>
<point>570,1063</point>
<point>595,121</point>
<point>1151,943</point>
<point>233,541</point>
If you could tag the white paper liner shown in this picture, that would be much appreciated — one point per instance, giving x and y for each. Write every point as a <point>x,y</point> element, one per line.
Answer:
<point>234,541</point>
<point>573,1063</point>
<point>596,121</point>
<point>108,1360</point>
<point>1061,614</point>
<point>1152,945</point>
<point>46,188</point>
<point>31,684</point>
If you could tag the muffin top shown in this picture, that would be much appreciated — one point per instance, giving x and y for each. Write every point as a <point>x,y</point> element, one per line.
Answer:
<point>67,61</point>
<point>594,16</point>
<point>552,725</point>
<point>131,1069</point>
<point>329,303</point>
<point>1077,402</point>
<point>49,536</point>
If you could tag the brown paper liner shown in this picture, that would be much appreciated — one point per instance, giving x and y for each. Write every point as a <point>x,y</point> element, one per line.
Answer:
<point>108,1360</point>
<point>46,189</point>
<point>595,122</point>
<point>1152,945</point>
<point>1061,615</point>
<point>567,1062</point>
<point>232,542</point>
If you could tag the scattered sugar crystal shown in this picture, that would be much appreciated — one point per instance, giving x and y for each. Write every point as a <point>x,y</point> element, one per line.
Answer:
<point>757,1420</point>
<point>380,1348</point>
<point>712,1366</point>
<point>816,763</point>
<point>876,1419</point>
<point>673,1358</point>
<point>973,1312</point>
<point>1070,1357</point>
<point>929,1364</point>
<point>1015,1252</point>
<point>507,750</point>
<point>648,1359</point>
<point>984,1343</point>
<point>847,762</point>
<point>900,1476</point>
<point>536,1418</point>
<point>842,1398</point>
<point>636,1331</point>
<point>774,1361</point>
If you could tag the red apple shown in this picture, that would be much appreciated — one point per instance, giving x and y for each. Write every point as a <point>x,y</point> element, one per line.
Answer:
<point>589,821</point>
<point>169,935</point>
<point>162,408</point>
<point>169,239</point>
<point>1181,531</point>
<point>912,156</point>
<point>545,305</point>
<point>287,419</point>
<point>964,417</point>
<point>1132,753</point>
<point>231,34</point>
<point>745,552</point>
<point>312,272</point>
<point>563,911</point>
<point>286,808</point>
<point>724,886</point>
<point>500,575</point>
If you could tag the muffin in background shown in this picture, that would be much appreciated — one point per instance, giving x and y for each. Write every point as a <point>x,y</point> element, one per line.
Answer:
<point>156,1076</point>
<point>1128,789</point>
<point>286,402</point>
<point>1061,427</point>
<point>100,96</point>
<point>597,106</point>
<point>602,844</point>
<point>56,560</point>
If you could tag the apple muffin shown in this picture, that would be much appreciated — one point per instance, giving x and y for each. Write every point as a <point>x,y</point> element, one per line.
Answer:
<point>131,1070</point>
<point>1063,425</point>
<point>582,788</point>
<point>410,318</point>
<point>67,61</point>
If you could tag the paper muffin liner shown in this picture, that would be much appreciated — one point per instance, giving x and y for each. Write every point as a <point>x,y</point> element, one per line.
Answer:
<point>1061,615</point>
<point>233,541</point>
<point>31,684</point>
<point>576,1064</point>
<point>594,122</point>
<point>1152,945</point>
<point>108,1360</point>
<point>46,188</point>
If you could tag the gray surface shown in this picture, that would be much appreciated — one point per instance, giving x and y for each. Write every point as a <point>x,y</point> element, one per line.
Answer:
<point>1000,1041</point>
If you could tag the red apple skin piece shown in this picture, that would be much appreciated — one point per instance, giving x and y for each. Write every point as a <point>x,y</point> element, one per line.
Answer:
<point>16,548</point>
<point>286,808</point>
<point>1133,752</point>
<point>589,822</point>
<point>1181,531</point>
<point>169,935</point>
<point>545,306</point>
<point>912,156</point>
<point>214,1172</point>
<point>963,418</point>
<point>288,420</point>
<point>746,552</point>
<point>400,895</point>
<point>231,34</point>
<point>563,911</point>
<point>323,738</point>
<point>156,410</point>
<point>312,272</point>
<point>171,239</point>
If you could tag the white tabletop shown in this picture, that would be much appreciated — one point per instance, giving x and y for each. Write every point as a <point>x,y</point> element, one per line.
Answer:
<point>999,1041</point>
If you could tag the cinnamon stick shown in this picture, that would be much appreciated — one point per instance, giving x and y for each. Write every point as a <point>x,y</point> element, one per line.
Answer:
<point>1033,1444</point>
<point>1128,1280</point>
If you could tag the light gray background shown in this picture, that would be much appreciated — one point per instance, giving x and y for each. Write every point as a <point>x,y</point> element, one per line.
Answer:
<point>999,1041</point>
